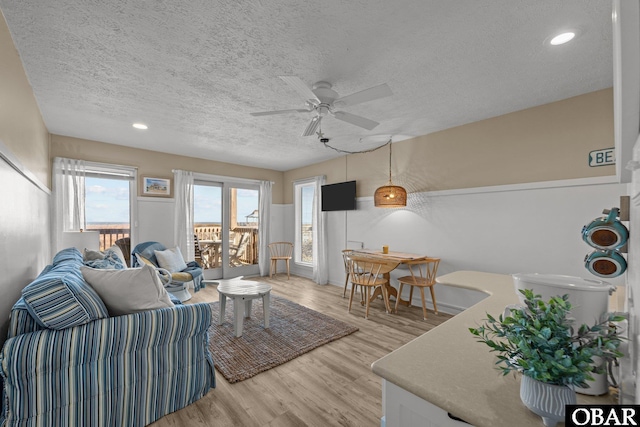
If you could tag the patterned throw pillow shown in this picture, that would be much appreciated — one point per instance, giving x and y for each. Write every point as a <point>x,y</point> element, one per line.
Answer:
<point>60,298</point>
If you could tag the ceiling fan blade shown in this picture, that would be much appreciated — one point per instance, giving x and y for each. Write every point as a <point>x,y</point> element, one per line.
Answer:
<point>355,120</point>
<point>299,86</point>
<point>312,126</point>
<point>366,95</point>
<point>269,113</point>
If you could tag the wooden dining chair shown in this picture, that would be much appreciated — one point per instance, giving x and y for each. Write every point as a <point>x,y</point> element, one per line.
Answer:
<point>423,275</point>
<point>368,273</point>
<point>345,258</point>
<point>280,251</point>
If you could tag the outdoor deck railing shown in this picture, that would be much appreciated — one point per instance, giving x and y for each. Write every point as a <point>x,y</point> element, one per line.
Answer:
<point>108,236</point>
<point>250,253</point>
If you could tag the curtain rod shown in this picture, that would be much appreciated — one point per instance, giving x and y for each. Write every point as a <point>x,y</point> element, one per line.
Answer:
<point>206,176</point>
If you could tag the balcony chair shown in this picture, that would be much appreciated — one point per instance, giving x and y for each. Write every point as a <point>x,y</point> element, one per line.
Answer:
<point>201,256</point>
<point>236,251</point>
<point>175,282</point>
<point>423,275</point>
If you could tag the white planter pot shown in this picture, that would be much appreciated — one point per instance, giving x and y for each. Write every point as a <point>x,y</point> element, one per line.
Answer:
<point>546,400</point>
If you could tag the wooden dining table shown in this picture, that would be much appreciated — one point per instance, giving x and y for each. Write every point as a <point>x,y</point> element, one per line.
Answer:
<point>401,258</point>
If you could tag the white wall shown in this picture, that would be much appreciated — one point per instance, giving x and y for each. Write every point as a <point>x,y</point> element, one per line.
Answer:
<point>520,230</point>
<point>24,233</point>
<point>156,220</point>
<point>279,231</point>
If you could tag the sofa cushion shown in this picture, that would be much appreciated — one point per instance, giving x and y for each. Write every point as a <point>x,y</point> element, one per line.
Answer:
<point>128,291</point>
<point>171,259</point>
<point>59,298</point>
<point>66,255</point>
<point>21,321</point>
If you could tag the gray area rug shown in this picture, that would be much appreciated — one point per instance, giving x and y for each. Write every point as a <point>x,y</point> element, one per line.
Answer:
<point>294,330</point>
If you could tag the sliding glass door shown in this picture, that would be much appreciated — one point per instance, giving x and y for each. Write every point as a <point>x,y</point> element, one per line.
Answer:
<point>242,231</point>
<point>226,224</point>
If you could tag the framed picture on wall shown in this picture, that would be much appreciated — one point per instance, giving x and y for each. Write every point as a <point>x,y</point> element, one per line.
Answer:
<point>156,187</point>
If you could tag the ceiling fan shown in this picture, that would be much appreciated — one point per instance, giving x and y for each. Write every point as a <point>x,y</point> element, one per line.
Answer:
<point>322,99</point>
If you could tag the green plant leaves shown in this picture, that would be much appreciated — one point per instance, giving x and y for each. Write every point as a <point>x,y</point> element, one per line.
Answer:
<point>539,342</point>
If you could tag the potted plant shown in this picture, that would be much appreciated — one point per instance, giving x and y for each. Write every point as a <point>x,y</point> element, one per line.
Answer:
<point>539,341</point>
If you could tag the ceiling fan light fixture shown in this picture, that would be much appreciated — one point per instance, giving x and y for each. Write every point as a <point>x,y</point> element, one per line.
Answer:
<point>322,98</point>
<point>562,38</point>
<point>312,126</point>
<point>390,196</point>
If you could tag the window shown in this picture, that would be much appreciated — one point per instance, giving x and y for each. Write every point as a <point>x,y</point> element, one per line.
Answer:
<point>207,223</point>
<point>107,209</point>
<point>207,210</point>
<point>93,196</point>
<point>304,195</point>
<point>109,191</point>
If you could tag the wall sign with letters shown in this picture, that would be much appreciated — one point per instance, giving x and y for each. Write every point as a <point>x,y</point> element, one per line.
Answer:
<point>602,157</point>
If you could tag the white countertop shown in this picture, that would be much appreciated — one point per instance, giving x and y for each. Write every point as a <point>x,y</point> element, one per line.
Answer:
<point>449,368</point>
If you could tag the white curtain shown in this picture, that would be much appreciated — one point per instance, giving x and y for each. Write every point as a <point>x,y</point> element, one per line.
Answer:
<point>183,228</point>
<point>264,223</point>
<point>320,266</point>
<point>68,198</point>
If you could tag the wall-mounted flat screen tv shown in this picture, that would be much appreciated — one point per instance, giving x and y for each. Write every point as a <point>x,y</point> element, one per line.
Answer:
<point>339,197</point>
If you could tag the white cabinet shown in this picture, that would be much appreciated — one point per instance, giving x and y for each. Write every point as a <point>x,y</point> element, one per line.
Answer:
<point>404,409</point>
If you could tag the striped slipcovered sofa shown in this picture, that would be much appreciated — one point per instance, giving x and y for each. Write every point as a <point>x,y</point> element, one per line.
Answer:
<point>67,363</point>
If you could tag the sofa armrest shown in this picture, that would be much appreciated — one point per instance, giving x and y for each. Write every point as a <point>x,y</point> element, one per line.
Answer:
<point>115,363</point>
<point>20,321</point>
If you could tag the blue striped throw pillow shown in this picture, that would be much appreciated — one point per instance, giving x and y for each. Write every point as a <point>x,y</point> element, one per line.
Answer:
<point>60,298</point>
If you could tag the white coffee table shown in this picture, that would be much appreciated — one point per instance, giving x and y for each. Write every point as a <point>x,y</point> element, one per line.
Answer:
<point>243,292</point>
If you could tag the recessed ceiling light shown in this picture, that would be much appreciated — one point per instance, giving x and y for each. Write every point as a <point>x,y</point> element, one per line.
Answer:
<point>140,126</point>
<point>562,38</point>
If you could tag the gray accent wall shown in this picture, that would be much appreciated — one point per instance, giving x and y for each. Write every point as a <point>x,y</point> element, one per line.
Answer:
<point>24,233</point>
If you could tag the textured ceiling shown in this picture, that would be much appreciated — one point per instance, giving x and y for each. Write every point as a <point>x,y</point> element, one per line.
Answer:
<point>194,70</point>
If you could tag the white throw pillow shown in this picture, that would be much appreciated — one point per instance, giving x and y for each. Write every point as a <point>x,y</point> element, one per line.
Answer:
<point>171,259</point>
<point>128,291</point>
<point>116,249</point>
<point>90,255</point>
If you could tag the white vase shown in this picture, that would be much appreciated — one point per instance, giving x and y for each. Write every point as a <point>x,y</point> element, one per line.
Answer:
<point>546,400</point>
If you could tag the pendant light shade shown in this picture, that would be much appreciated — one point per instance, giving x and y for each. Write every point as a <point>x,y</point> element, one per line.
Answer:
<point>390,196</point>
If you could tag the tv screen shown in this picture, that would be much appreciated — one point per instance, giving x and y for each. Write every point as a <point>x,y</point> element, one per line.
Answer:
<point>339,197</point>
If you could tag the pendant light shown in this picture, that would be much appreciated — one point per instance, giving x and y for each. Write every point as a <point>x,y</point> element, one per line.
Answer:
<point>390,196</point>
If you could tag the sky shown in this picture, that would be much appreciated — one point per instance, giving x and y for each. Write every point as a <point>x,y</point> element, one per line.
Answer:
<point>106,200</point>
<point>307,204</point>
<point>207,204</point>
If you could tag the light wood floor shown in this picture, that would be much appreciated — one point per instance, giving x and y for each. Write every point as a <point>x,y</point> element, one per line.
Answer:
<point>330,386</point>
